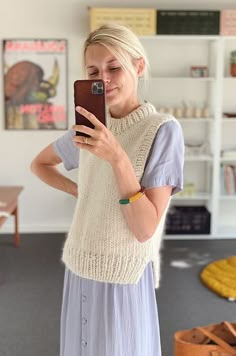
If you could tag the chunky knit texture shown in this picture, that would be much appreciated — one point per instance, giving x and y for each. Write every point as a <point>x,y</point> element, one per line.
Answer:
<point>99,245</point>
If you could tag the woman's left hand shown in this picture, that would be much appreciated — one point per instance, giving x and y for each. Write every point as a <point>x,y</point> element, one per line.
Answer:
<point>101,142</point>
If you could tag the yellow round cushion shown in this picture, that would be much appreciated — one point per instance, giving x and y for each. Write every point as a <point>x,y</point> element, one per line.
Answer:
<point>220,276</point>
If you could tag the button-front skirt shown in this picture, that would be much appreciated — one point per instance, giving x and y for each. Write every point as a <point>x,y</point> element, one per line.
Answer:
<point>105,319</point>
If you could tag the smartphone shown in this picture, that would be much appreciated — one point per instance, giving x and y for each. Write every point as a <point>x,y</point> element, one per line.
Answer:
<point>90,94</point>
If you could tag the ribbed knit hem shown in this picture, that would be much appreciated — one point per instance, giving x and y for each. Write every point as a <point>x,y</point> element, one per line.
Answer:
<point>109,269</point>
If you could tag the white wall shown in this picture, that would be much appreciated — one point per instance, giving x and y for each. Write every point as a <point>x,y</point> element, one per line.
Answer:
<point>43,209</point>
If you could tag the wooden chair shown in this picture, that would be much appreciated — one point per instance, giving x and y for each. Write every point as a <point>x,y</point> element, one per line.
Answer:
<point>9,206</point>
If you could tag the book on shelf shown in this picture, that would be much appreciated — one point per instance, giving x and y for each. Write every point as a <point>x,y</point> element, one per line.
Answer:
<point>228,179</point>
<point>234,169</point>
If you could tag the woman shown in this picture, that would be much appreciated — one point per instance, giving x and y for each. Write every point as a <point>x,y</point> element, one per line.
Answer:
<point>127,172</point>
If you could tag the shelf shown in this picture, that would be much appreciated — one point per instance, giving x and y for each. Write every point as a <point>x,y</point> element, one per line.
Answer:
<point>229,79</point>
<point>198,158</point>
<point>187,79</point>
<point>228,159</point>
<point>188,37</point>
<point>195,119</point>
<point>227,231</point>
<point>228,119</point>
<point>229,37</point>
<point>228,196</point>
<point>198,196</point>
<point>188,237</point>
<point>181,37</point>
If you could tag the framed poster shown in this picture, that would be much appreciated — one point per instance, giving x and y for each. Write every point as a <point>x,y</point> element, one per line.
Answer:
<point>35,84</point>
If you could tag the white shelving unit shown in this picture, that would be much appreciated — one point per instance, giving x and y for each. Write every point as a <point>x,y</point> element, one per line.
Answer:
<point>183,79</point>
<point>171,84</point>
<point>195,120</point>
<point>197,196</point>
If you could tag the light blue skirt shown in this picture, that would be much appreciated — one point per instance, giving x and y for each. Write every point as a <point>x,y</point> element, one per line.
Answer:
<point>106,319</point>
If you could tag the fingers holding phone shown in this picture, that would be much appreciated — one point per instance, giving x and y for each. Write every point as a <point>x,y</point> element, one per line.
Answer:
<point>100,142</point>
<point>83,132</point>
<point>96,123</point>
<point>91,136</point>
<point>90,127</point>
<point>89,95</point>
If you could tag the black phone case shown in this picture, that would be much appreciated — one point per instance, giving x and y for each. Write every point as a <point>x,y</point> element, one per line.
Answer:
<point>90,94</point>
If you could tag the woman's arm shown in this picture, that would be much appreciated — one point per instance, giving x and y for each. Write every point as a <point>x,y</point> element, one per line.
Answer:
<point>142,216</point>
<point>163,176</point>
<point>45,165</point>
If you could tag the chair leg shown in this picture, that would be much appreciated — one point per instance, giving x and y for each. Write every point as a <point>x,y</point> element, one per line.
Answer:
<point>17,236</point>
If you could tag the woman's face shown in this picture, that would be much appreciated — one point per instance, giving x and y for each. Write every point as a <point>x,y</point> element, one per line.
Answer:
<point>120,85</point>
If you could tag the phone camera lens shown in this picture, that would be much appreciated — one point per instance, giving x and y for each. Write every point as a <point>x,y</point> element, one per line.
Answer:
<point>97,88</point>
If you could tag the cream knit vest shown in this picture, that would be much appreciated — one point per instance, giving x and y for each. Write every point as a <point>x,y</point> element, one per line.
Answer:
<point>99,245</point>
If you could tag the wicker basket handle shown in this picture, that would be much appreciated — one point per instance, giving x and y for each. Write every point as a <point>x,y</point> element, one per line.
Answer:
<point>230,327</point>
<point>218,341</point>
<point>217,353</point>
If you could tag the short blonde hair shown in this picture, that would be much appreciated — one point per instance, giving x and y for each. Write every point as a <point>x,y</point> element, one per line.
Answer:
<point>122,43</point>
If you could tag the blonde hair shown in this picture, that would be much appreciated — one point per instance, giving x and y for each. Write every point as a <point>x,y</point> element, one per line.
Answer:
<point>122,43</point>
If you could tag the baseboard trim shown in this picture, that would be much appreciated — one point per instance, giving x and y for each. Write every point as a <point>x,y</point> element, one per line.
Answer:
<point>64,228</point>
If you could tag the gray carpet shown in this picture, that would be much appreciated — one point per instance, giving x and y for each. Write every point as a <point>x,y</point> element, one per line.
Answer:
<point>183,301</point>
<point>31,280</point>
